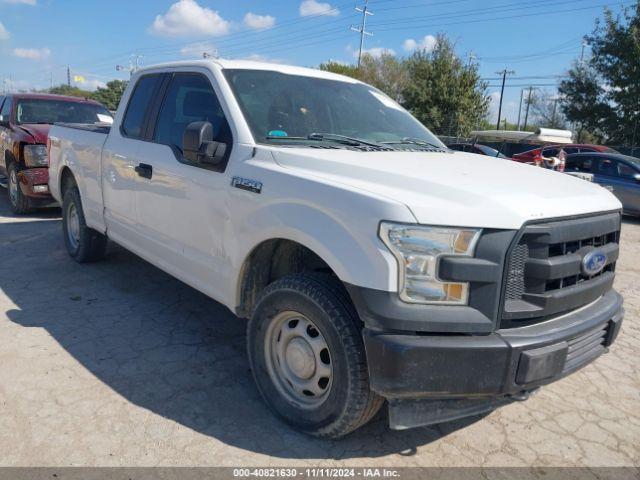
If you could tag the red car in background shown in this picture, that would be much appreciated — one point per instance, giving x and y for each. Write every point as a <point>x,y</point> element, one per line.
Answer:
<point>549,151</point>
<point>25,119</point>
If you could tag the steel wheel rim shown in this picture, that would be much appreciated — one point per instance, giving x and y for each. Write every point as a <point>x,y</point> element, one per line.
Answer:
<point>73,226</point>
<point>13,187</point>
<point>298,360</point>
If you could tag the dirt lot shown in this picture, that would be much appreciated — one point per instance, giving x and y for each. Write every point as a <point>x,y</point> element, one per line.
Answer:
<point>117,363</point>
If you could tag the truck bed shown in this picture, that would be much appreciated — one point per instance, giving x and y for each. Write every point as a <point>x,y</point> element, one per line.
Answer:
<point>79,145</point>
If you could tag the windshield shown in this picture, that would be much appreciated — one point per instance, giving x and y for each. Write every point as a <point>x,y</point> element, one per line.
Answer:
<point>288,109</point>
<point>34,110</point>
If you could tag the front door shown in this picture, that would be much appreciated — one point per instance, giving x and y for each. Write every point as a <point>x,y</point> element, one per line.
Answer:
<point>181,206</point>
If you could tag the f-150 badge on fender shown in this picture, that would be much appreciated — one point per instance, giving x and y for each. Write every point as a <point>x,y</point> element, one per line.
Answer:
<point>247,184</point>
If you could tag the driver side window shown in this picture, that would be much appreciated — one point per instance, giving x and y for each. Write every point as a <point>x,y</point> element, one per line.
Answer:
<point>6,110</point>
<point>189,98</point>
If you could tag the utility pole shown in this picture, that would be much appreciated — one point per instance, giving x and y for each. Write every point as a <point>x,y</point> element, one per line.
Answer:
<point>471,57</point>
<point>362,29</point>
<point>134,65</point>
<point>526,115</point>
<point>68,76</point>
<point>136,58</point>
<point>520,107</point>
<point>584,44</point>
<point>504,74</point>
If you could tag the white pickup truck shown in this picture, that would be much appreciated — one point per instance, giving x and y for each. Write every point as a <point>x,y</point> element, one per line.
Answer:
<point>372,262</point>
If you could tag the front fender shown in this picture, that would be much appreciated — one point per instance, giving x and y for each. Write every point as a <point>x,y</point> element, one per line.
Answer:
<point>356,257</point>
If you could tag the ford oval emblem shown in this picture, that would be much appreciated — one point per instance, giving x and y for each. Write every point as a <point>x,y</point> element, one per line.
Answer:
<point>593,262</point>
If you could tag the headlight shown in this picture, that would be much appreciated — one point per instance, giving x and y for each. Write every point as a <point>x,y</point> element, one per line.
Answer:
<point>36,156</point>
<point>418,249</point>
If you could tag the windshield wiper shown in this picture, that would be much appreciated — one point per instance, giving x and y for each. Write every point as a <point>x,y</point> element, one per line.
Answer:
<point>414,141</point>
<point>328,137</point>
<point>345,140</point>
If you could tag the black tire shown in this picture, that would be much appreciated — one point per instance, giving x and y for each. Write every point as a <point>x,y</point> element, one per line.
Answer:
<point>20,203</point>
<point>349,403</point>
<point>89,245</point>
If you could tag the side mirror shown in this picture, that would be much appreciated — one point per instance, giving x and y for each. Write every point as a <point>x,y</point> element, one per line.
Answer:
<point>3,122</point>
<point>198,144</point>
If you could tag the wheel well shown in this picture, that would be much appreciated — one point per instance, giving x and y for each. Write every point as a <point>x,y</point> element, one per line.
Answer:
<point>270,261</point>
<point>67,180</point>
<point>8,158</point>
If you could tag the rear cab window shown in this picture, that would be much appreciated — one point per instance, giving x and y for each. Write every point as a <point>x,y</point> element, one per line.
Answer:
<point>133,124</point>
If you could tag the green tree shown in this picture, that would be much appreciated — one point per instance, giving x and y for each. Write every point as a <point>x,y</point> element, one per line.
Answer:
<point>385,72</point>
<point>603,95</point>
<point>546,110</point>
<point>110,95</point>
<point>69,91</point>
<point>341,69</point>
<point>443,92</point>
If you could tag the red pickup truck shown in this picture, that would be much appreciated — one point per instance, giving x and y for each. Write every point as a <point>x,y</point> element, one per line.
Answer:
<point>25,119</point>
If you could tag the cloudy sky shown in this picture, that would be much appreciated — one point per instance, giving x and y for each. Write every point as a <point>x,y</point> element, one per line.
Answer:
<point>538,39</point>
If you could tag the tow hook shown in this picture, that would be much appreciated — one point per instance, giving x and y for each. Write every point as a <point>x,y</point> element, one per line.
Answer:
<point>524,395</point>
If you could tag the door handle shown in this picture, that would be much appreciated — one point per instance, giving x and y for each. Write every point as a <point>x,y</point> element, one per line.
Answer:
<point>144,170</point>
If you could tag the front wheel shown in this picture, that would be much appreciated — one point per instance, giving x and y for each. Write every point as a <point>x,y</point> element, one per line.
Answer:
<point>83,243</point>
<point>308,358</point>
<point>20,203</point>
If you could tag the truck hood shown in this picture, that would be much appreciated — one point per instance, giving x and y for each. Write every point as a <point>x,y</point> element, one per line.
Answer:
<point>460,189</point>
<point>37,131</point>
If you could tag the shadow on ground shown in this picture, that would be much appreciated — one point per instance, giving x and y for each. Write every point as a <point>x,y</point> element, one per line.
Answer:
<point>162,345</point>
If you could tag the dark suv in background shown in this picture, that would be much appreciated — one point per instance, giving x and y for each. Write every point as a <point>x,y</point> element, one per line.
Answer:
<point>25,119</point>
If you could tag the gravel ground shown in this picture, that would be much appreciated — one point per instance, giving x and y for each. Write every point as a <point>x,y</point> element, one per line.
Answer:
<point>117,364</point>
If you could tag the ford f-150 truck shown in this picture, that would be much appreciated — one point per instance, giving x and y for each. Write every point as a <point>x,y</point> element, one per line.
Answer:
<point>25,119</point>
<point>372,262</point>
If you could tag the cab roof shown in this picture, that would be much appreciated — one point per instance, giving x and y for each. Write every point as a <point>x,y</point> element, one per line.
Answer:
<point>224,64</point>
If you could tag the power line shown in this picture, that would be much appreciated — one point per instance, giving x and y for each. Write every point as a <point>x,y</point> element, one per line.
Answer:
<point>549,12</point>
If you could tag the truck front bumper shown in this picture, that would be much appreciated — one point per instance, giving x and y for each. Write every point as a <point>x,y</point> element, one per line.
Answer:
<point>34,183</point>
<point>431,378</point>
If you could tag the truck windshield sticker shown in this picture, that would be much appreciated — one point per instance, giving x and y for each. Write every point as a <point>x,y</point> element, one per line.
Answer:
<point>278,133</point>
<point>247,184</point>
